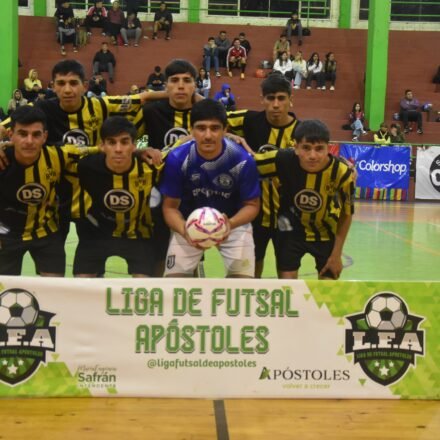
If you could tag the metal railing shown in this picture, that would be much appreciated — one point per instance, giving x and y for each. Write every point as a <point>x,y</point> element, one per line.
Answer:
<point>405,10</point>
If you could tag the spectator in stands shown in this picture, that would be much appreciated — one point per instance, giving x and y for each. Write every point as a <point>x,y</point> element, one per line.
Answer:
<point>134,90</point>
<point>156,80</point>
<point>299,67</point>
<point>236,58</point>
<point>410,110</point>
<point>104,61</point>
<point>356,120</point>
<point>211,56</point>
<point>32,85</point>
<point>203,83</point>
<point>283,65</point>
<point>115,21</point>
<point>97,86</point>
<point>131,28</point>
<point>41,96</point>
<point>163,21</point>
<point>133,6</point>
<point>96,17</point>
<point>294,27</point>
<point>223,45</point>
<point>66,25</point>
<point>329,70</point>
<point>280,46</point>
<point>396,134</point>
<point>244,42</point>
<point>382,136</point>
<point>226,97</point>
<point>314,72</point>
<point>64,11</point>
<point>50,93</point>
<point>16,101</point>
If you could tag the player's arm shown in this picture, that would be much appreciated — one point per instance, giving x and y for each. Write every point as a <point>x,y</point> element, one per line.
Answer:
<point>246,214</point>
<point>4,162</point>
<point>172,215</point>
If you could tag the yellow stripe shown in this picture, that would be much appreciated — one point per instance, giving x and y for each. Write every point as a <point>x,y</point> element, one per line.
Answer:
<point>120,216</point>
<point>305,217</point>
<point>31,209</point>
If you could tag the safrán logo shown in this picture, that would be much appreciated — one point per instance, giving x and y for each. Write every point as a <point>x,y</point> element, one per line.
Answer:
<point>25,335</point>
<point>385,338</point>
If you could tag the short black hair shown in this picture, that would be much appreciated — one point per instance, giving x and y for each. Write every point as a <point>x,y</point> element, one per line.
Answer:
<point>208,109</point>
<point>312,130</point>
<point>157,68</point>
<point>69,66</point>
<point>276,83</point>
<point>27,115</point>
<point>178,66</point>
<point>116,125</point>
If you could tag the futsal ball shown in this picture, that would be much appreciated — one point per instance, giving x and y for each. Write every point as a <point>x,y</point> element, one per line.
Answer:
<point>18,308</point>
<point>386,311</point>
<point>206,227</point>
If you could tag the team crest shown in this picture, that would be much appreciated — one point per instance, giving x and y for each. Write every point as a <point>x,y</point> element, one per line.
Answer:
<point>93,122</point>
<point>51,175</point>
<point>140,182</point>
<point>330,188</point>
<point>25,336</point>
<point>385,338</point>
<point>224,181</point>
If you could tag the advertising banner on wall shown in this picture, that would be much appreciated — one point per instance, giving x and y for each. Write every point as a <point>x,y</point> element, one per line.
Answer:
<point>428,173</point>
<point>219,338</point>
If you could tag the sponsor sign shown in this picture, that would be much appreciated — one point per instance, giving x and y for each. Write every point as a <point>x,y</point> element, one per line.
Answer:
<point>428,173</point>
<point>216,338</point>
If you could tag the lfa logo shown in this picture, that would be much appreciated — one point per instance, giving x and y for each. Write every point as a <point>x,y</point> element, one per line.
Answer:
<point>25,335</point>
<point>385,338</point>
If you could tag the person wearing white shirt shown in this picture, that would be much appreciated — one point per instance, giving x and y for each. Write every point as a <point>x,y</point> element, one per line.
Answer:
<point>314,72</point>
<point>284,65</point>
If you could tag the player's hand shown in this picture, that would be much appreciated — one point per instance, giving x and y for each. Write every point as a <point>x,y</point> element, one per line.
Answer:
<point>3,132</point>
<point>190,242</point>
<point>4,162</point>
<point>228,228</point>
<point>151,156</point>
<point>241,141</point>
<point>333,265</point>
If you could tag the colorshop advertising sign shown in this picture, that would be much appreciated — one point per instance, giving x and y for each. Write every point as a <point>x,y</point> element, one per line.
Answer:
<point>379,167</point>
<point>219,338</point>
<point>428,173</point>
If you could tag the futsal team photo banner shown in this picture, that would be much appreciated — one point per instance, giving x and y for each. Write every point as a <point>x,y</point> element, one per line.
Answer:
<point>428,173</point>
<point>219,338</point>
<point>379,167</point>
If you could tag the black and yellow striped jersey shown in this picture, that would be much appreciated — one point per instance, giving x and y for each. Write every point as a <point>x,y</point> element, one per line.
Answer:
<point>258,133</point>
<point>28,194</point>
<point>120,202</point>
<point>163,123</point>
<point>310,203</point>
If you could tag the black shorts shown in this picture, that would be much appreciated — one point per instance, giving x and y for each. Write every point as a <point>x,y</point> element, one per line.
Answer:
<point>92,253</point>
<point>262,236</point>
<point>161,234</point>
<point>292,249</point>
<point>48,254</point>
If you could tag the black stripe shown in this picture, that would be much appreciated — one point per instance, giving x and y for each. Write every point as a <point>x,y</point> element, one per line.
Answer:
<point>141,196</point>
<point>92,113</point>
<point>37,178</point>
<point>312,220</point>
<point>279,137</point>
<point>126,186</point>
<point>271,206</point>
<point>221,423</point>
<point>103,109</point>
<point>185,119</point>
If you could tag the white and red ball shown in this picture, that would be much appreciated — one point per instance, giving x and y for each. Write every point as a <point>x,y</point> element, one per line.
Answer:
<point>206,227</point>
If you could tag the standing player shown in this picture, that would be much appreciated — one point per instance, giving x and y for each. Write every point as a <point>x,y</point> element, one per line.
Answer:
<point>270,129</point>
<point>316,201</point>
<point>210,171</point>
<point>28,199</point>
<point>119,219</point>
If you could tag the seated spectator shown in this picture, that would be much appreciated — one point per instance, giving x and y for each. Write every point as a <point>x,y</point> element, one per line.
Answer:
<point>284,66</point>
<point>314,72</point>
<point>410,110</point>
<point>16,101</point>
<point>396,134</point>
<point>115,20</point>
<point>223,46</point>
<point>356,120</point>
<point>210,56</point>
<point>96,17</point>
<point>226,97</point>
<point>131,28</point>
<point>299,67</point>
<point>134,90</point>
<point>156,80</point>
<point>50,93</point>
<point>67,34</point>
<point>436,79</point>
<point>329,70</point>
<point>104,61</point>
<point>294,27</point>
<point>41,96</point>
<point>280,46</point>
<point>244,42</point>
<point>203,83</point>
<point>97,86</point>
<point>236,58</point>
<point>32,85</point>
<point>382,136</point>
<point>163,21</point>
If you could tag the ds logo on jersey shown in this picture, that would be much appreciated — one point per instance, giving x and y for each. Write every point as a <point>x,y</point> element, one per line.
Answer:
<point>76,137</point>
<point>173,135</point>
<point>308,200</point>
<point>32,194</point>
<point>119,200</point>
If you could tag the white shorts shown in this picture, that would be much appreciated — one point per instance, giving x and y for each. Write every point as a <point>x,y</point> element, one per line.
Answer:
<point>237,251</point>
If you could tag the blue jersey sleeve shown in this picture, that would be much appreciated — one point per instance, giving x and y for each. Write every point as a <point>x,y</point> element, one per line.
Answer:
<point>171,184</point>
<point>249,181</point>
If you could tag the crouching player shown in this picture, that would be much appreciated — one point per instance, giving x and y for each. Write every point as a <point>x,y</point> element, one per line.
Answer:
<point>316,201</point>
<point>118,222</point>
